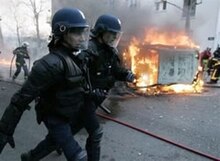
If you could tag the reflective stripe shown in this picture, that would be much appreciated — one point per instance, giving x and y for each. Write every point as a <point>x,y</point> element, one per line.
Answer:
<point>218,63</point>
<point>213,75</point>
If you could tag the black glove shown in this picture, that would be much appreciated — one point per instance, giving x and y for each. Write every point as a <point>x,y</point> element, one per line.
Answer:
<point>99,95</point>
<point>4,139</point>
<point>130,77</point>
<point>8,124</point>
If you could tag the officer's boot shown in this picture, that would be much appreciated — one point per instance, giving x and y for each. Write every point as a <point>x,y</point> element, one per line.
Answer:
<point>93,145</point>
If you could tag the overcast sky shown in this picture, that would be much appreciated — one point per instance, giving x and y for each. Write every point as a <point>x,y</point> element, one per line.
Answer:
<point>25,18</point>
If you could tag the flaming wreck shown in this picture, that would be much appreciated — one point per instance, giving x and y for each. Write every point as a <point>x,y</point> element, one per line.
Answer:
<point>164,62</point>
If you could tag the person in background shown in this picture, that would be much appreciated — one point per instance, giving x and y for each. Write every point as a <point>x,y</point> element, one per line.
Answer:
<point>21,54</point>
<point>204,56</point>
<point>214,66</point>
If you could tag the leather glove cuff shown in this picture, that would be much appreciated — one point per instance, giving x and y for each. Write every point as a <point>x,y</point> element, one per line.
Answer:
<point>130,77</point>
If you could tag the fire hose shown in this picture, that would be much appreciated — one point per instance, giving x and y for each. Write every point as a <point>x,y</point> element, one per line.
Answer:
<point>29,64</point>
<point>160,137</point>
<point>10,72</point>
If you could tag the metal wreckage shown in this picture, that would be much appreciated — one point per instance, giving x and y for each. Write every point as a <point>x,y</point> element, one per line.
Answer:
<point>164,63</point>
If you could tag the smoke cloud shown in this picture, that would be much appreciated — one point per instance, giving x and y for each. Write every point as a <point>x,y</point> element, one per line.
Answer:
<point>136,15</point>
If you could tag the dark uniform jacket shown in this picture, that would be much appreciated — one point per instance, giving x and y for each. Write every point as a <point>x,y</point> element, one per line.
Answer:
<point>104,65</point>
<point>21,54</point>
<point>58,78</point>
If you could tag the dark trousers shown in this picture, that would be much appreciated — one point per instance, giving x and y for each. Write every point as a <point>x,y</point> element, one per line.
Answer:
<point>59,135</point>
<point>87,118</point>
<point>18,70</point>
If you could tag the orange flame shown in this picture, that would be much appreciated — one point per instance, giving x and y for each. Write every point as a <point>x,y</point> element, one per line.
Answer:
<point>144,62</point>
<point>155,36</point>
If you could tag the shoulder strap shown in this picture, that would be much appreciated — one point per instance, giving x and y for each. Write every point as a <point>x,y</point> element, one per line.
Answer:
<point>115,54</point>
<point>70,66</point>
<point>92,49</point>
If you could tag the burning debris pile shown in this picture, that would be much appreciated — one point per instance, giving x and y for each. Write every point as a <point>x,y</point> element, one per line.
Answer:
<point>164,62</point>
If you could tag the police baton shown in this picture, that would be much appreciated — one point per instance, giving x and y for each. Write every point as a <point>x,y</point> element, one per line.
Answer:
<point>105,109</point>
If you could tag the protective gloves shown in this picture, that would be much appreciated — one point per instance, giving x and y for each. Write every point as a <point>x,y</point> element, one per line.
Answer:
<point>8,123</point>
<point>4,139</point>
<point>130,77</point>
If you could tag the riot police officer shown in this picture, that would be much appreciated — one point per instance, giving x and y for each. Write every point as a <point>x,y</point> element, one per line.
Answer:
<point>104,64</point>
<point>105,69</point>
<point>21,54</point>
<point>58,82</point>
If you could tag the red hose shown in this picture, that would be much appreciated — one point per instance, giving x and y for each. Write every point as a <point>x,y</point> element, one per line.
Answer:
<point>160,137</point>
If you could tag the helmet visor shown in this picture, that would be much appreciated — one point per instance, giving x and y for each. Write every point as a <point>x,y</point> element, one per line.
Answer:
<point>79,37</point>
<point>112,38</point>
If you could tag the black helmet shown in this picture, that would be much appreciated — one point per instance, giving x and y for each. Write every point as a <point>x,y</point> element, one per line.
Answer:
<point>67,18</point>
<point>106,23</point>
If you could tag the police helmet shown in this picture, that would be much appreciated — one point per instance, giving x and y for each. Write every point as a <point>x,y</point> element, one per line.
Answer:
<point>106,23</point>
<point>109,28</point>
<point>67,18</point>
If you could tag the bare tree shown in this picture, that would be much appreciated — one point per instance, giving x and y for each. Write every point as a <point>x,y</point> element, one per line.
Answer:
<point>36,8</point>
<point>18,21</point>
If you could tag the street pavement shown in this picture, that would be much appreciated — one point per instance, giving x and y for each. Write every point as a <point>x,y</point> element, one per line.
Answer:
<point>188,119</point>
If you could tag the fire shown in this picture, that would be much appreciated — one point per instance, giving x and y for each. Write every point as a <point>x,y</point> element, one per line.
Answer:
<point>143,59</point>
<point>5,62</point>
<point>155,36</point>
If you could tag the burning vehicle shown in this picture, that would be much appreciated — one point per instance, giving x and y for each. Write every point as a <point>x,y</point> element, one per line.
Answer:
<point>164,62</point>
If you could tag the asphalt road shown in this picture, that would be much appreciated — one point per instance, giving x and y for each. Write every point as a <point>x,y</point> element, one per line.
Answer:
<point>190,119</point>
